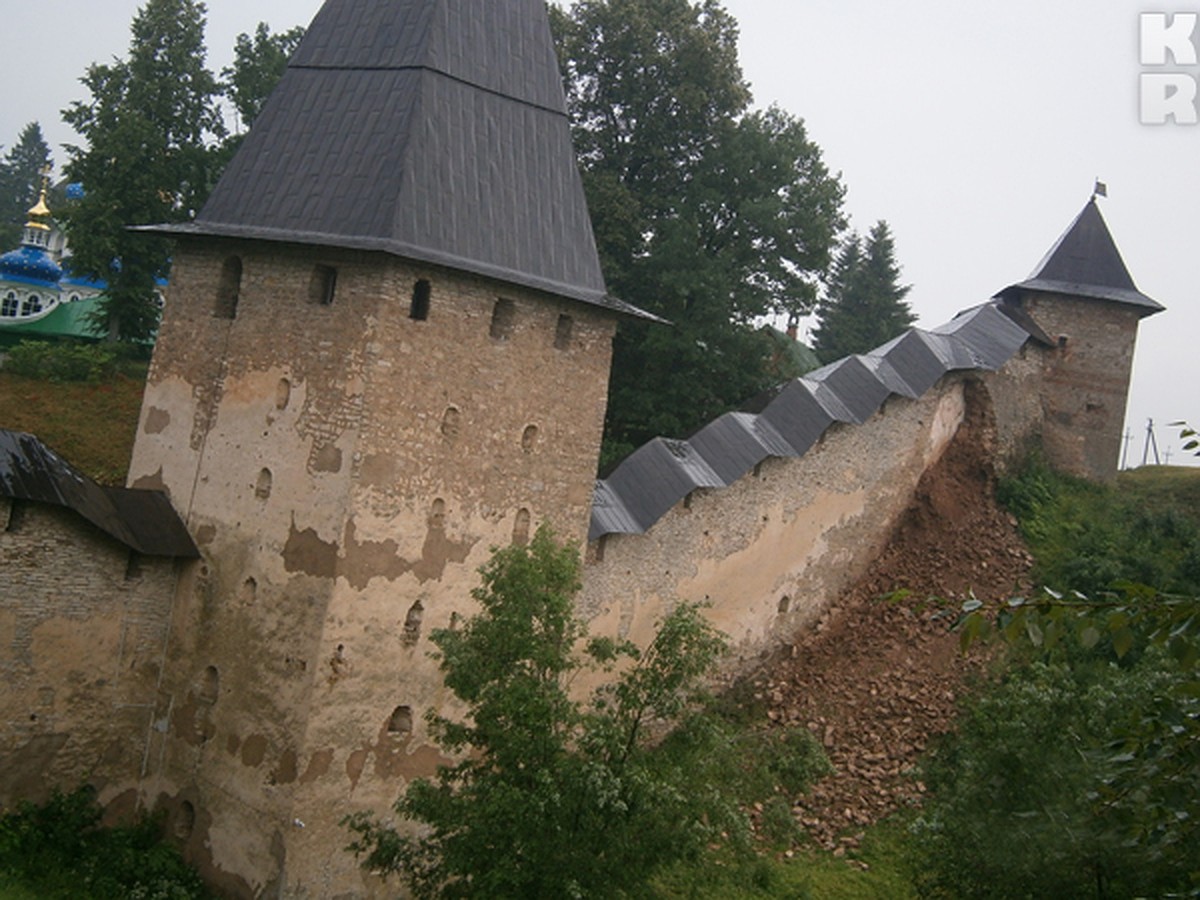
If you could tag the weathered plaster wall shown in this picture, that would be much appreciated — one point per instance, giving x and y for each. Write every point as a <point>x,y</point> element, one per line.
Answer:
<point>346,470</point>
<point>772,549</point>
<point>83,625</point>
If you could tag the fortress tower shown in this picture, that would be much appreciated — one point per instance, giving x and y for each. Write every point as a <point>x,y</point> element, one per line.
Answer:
<point>385,351</point>
<point>1084,300</point>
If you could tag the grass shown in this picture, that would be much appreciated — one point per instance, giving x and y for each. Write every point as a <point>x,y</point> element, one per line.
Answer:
<point>91,425</point>
<point>12,889</point>
<point>1087,537</point>
<point>878,870</point>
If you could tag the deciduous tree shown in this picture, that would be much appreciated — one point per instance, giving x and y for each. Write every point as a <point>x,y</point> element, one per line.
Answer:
<point>258,64</point>
<point>149,127</point>
<point>706,213</point>
<point>554,796</point>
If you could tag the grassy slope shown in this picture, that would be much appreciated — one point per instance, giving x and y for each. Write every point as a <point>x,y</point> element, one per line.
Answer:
<point>92,426</point>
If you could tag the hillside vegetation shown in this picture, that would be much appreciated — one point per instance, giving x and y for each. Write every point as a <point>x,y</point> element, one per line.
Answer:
<point>85,407</point>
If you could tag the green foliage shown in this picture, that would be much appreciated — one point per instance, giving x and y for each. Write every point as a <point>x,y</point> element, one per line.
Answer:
<point>1036,794</point>
<point>20,182</point>
<point>554,796</point>
<point>1087,537</point>
<point>66,361</point>
<point>1077,775</point>
<point>258,64</point>
<point>148,127</point>
<point>705,213</point>
<point>1187,434</point>
<point>864,304</point>
<point>58,850</point>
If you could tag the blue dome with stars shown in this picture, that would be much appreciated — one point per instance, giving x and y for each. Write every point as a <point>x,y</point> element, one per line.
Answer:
<point>31,265</point>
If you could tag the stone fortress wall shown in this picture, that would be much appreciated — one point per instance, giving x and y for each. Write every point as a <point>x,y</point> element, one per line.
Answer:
<point>343,504</point>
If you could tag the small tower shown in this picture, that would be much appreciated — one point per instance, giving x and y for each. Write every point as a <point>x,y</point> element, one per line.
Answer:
<point>1084,299</point>
<point>385,351</point>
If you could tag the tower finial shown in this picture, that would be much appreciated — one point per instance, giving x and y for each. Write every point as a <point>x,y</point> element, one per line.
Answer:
<point>40,211</point>
<point>1100,190</point>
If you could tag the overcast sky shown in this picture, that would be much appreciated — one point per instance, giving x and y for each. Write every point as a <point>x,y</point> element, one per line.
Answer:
<point>975,129</point>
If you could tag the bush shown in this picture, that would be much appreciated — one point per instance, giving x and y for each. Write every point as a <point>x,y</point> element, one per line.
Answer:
<point>59,850</point>
<point>1029,797</point>
<point>66,361</point>
<point>554,796</point>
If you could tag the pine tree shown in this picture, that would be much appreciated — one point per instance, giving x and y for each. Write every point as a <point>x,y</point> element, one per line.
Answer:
<point>149,127</point>
<point>864,303</point>
<point>21,175</point>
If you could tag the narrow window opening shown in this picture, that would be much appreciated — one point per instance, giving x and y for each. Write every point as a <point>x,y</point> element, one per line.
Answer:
<point>785,604</point>
<point>529,438</point>
<point>210,685</point>
<point>504,313</point>
<point>687,500</point>
<point>599,546</point>
<point>412,623</point>
<point>229,288</point>
<point>437,514</point>
<point>249,591</point>
<point>419,308</point>
<point>562,332</point>
<point>520,535</point>
<point>451,422</point>
<point>283,394</point>
<point>401,721</point>
<point>133,566</point>
<point>322,286</point>
<point>185,821</point>
<point>262,487</point>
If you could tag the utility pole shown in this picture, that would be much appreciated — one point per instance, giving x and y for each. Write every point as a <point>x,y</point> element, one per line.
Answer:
<point>1150,442</point>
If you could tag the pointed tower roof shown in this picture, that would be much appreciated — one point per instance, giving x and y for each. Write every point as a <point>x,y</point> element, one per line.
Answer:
<point>1085,262</point>
<point>434,130</point>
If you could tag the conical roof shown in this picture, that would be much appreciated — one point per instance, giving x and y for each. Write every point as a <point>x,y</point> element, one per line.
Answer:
<point>435,130</point>
<point>1085,262</point>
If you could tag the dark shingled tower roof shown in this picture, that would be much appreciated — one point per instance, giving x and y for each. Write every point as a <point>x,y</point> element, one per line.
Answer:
<point>435,130</point>
<point>1085,262</point>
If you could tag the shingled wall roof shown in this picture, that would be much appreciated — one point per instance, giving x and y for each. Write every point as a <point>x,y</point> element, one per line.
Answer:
<point>788,420</point>
<point>434,130</point>
<point>142,520</point>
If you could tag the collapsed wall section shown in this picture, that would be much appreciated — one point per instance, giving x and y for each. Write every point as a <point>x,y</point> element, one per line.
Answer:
<point>769,552</point>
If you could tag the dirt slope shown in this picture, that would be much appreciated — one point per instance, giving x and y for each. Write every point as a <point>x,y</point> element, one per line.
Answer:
<point>878,678</point>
